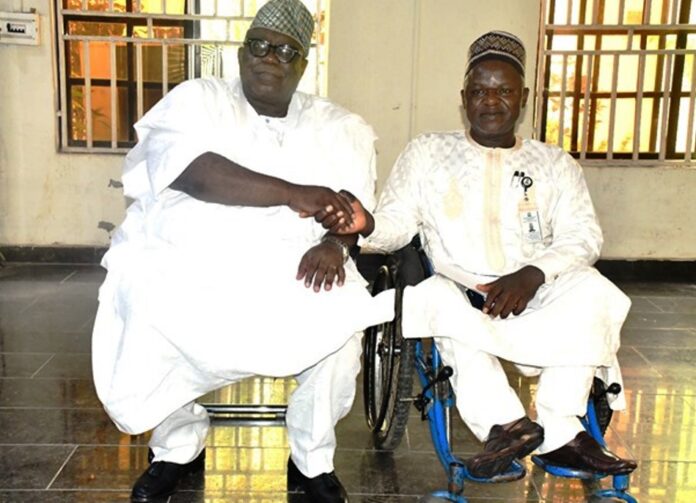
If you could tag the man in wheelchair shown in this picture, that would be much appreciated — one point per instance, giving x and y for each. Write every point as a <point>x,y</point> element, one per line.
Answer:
<point>508,221</point>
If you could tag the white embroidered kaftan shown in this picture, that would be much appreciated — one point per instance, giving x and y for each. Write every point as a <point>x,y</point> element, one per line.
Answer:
<point>477,222</point>
<point>199,295</point>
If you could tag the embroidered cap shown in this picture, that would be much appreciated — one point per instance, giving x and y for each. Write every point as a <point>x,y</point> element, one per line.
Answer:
<point>497,45</point>
<point>288,17</point>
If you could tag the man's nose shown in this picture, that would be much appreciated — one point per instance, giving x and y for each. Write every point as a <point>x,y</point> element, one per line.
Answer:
<point>271,57</point>
<point>491,96</point>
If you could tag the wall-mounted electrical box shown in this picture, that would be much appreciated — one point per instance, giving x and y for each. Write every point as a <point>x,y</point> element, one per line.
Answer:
<point>19,28</point>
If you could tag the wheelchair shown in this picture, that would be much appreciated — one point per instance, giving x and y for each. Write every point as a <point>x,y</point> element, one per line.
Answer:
<point>389,363</point>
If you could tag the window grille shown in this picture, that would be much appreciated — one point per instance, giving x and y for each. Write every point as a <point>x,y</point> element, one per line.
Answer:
<point>616,79</point>
<point>117,58</point>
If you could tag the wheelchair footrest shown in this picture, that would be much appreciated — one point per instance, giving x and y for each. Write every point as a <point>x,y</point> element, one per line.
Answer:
<point>515,472</point>
<point>564,471</point>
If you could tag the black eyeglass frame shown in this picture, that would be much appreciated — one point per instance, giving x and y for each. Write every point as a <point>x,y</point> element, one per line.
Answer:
<point>278,50</point>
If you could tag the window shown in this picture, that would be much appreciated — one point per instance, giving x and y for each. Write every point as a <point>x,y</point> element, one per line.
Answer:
<point>117,58</point>
<point>616,79</point>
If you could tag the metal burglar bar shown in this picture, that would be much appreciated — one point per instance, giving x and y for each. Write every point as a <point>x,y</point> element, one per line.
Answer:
<point>617,79</point>
<point>117,58</point>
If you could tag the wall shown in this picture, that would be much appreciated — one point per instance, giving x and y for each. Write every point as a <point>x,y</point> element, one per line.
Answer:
<point>399,63</point>
<point>46,198</point>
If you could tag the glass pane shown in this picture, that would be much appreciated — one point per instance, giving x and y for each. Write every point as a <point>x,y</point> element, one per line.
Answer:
<point>688,81</point>
<point>604,73</point>
<point>623,125</point>
<point>600,127</point>
<point>150,97</point>
<point>633,12</point>
<point>252,6</point>
<point>213,29</point>
<point>564,42</point>
<point>230,8</point>
<point>153,66</point>
<point>100,60</point>
<point>100,29</point>
<point>168,31</point>
<point>611,12</point>
<point>628,73</point>
<point>160,6</point>
<point>650,73</point>
<point>647,123</point>
<point>683,124</point>
<point>660,11</point>
<point>230,63</point>
<point>556,74</point>
<point>101,113</point>
<point>159,32</point>
<point>78,121</point>
<point>614,42</point>
<point>176,63</point>
<point>552,120</point>
<point>95,5</point>
<point>206,7</point>
<point>210,61</point>
<point>123,122</point>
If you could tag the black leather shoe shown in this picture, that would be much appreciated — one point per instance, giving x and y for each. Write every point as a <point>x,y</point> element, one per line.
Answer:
<point>324,488</point>
<point>162,477</point>
<point>505,444</point>
<point>584,453</point>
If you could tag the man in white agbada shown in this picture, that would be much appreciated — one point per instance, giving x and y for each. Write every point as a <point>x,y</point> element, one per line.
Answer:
<point>215,276</point>
<point>513,220</point>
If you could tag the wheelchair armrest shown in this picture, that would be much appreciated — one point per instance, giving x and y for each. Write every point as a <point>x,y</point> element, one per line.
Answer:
<point>408,265</point>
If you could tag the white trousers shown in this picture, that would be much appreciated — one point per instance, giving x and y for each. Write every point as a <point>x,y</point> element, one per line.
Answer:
<point>324,395</point>
<point>485,398</point>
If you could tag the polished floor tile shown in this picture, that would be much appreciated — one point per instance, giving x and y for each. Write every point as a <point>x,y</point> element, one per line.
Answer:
<point>58,445</point>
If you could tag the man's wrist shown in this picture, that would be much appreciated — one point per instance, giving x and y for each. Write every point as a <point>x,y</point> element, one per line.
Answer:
<point>339,243</point>
<point>369,225</point>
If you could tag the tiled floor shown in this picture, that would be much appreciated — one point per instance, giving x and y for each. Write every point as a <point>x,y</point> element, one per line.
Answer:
<point>57,445</point>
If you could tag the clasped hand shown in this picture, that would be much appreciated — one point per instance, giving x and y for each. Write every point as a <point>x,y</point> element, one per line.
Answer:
<point>511,293</point>
<point>339,213</point>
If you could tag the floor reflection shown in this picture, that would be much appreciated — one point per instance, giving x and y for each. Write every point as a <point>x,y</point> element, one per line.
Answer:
<point>57,444</point>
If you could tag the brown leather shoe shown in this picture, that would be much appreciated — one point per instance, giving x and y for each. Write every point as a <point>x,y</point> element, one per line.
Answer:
<point>505,443</point>
<point>584,453</point>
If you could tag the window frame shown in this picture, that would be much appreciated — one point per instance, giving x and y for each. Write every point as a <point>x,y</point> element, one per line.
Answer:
<point>666,95</point>
<point>134,82</point>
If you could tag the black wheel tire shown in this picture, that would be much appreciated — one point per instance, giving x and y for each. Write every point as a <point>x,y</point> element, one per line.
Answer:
<point>389,364</point>
<point>601,404</point>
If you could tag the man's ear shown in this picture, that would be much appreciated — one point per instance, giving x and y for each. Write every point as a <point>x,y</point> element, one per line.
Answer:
<point>462,93</point>
<point>525,96</point>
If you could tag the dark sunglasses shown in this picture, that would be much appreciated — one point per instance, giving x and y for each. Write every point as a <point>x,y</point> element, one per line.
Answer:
<point>260,48</point>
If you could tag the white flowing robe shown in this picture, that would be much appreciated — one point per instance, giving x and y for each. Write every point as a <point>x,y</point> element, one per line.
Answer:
<point>198,294</point>
<point>468,205</point>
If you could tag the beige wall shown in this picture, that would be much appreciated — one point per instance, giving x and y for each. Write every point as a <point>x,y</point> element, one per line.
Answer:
<point>46,198</point>
<point>399,63</point>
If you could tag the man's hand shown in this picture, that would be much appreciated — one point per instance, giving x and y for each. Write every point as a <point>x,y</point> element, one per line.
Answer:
<point>321,203</point>
<point>363,221</point>
<point>511,293</point>
<point>322,263</point>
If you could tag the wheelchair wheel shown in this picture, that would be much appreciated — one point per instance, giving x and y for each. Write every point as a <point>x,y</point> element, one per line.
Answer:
<point>601,404</point>
<point>389,362</point>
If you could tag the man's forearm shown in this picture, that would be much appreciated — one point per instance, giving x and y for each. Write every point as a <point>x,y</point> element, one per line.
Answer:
<point>215,179</point>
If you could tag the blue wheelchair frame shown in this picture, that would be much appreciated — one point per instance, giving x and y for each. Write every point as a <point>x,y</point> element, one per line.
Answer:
<point>436,402</point>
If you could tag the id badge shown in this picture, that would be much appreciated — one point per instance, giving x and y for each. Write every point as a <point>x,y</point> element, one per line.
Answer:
<point>530,223</point>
